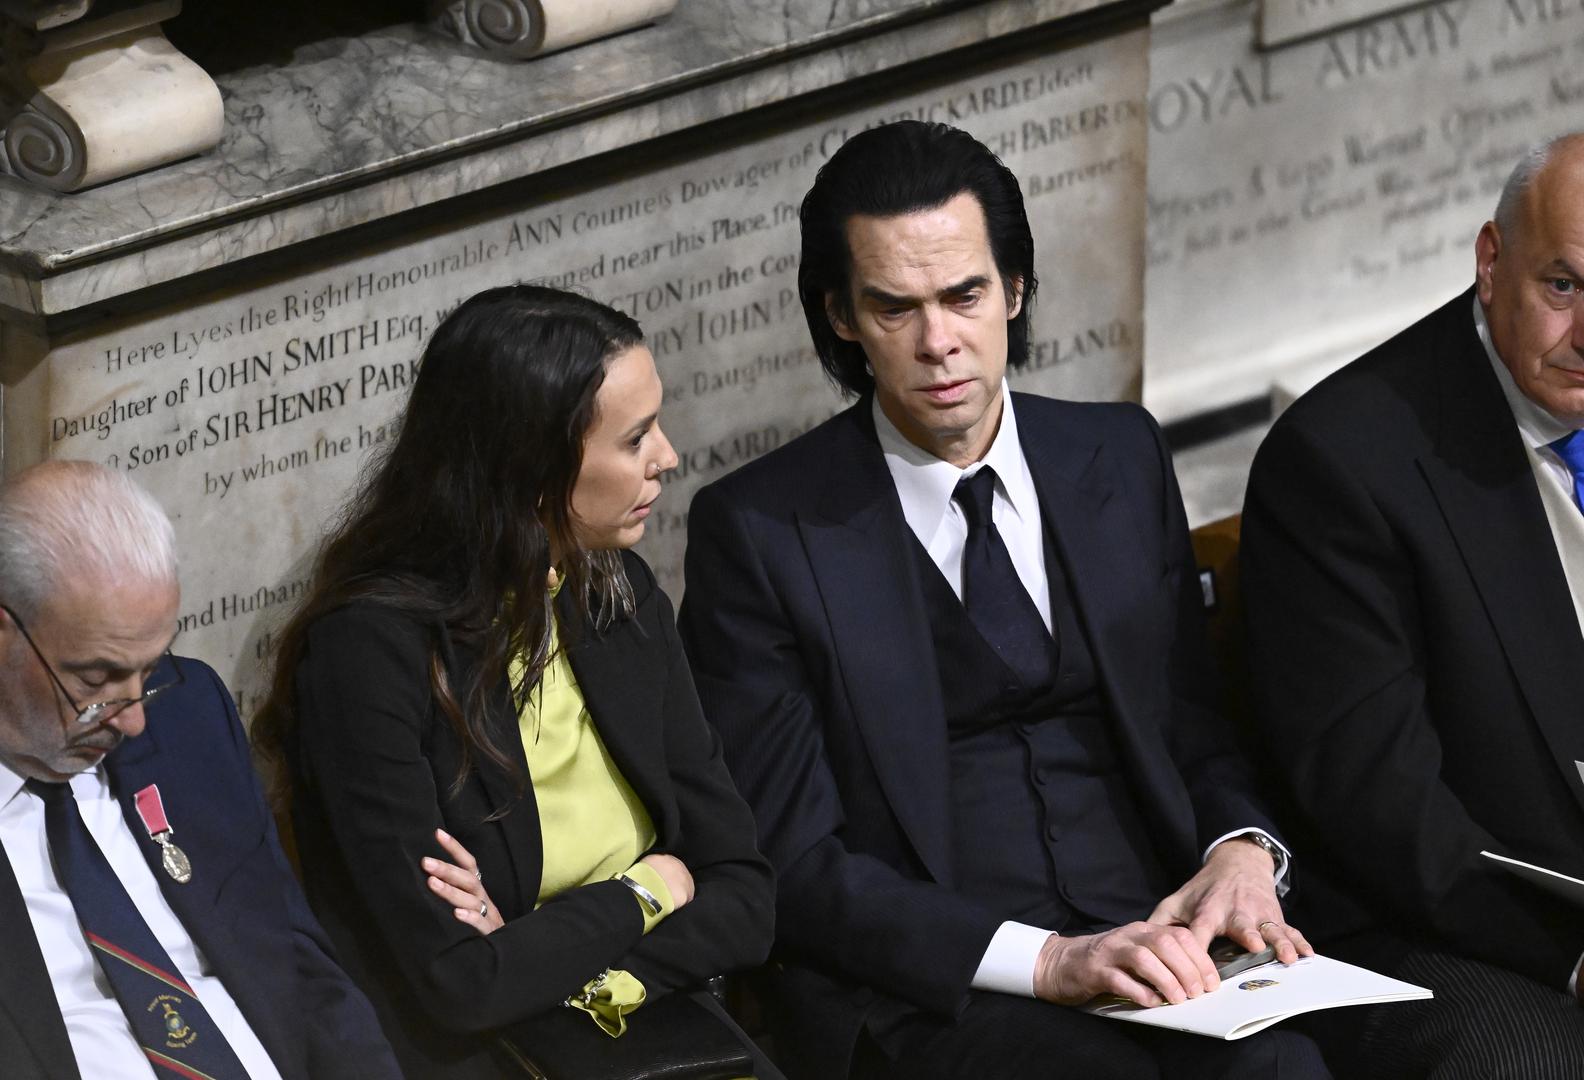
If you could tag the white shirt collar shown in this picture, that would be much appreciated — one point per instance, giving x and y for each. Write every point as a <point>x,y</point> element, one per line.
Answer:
<point>10,784</point>
<point>88,784</point>
<point>1538,427</point>
<point>924,482</point>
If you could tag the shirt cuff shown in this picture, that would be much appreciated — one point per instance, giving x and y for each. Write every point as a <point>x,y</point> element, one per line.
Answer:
<point>608,998</point>
<point>1282,863</point>
<point>1010,959</point>
<point>647,876</point>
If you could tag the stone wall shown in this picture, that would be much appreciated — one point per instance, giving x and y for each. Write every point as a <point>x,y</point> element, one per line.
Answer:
<point>1306,201</point>
<point>249,412</point>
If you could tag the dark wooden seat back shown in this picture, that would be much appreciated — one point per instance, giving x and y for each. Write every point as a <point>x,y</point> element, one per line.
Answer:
<point>1215,549</point>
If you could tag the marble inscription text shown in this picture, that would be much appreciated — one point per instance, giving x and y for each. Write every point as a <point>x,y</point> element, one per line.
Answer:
<point>249,415</point>
<point>1307,201</point>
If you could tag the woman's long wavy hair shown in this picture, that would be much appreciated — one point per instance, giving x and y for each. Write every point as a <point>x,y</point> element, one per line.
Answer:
<point>456,522</point>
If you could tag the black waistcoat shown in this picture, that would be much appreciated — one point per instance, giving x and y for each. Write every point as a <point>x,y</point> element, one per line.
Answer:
<point>1046,826</point>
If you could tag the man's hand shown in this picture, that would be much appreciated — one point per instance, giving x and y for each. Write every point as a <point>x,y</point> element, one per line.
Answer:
<point>1148,965</point>
<point>1234,894</point>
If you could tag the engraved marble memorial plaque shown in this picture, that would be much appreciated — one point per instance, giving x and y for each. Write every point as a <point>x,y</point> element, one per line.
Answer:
<point>249,414</point>
<point>1287,20</point>
<point>1307,202</point>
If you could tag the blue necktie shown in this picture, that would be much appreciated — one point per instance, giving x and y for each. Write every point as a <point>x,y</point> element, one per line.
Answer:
<point>1570,448</point>
<point>998,604</point>
<point>170,1026</point>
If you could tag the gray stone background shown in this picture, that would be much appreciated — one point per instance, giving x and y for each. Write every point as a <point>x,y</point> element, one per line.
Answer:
<point>1218,223</point>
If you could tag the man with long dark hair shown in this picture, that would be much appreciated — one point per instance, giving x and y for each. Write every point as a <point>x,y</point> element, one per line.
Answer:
<point>951,639</point>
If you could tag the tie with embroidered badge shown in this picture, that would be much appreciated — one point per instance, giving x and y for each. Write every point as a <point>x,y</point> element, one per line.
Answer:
<point>172,1028</point>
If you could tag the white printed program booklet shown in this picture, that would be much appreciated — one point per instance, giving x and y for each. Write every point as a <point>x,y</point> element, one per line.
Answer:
<point>1568,888</point>
<point>1255,999</point>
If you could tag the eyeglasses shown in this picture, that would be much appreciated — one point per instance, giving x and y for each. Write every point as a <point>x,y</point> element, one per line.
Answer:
<point>101,710</point>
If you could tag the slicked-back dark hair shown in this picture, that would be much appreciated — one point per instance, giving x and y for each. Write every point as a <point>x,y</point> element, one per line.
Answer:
<point>460,515</point>
<point>897,169</point>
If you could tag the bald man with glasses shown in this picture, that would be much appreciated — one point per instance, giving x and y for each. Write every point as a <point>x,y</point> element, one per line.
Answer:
<point>148,920</point>
<point>157,680</point>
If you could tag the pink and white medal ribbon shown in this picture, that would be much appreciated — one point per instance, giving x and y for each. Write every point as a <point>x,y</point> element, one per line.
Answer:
<point>151,808</point>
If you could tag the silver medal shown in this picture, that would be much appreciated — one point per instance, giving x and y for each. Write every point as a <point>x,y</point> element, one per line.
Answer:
<point>175,861</point>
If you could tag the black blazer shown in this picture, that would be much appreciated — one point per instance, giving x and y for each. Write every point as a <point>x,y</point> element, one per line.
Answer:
<point>809,641</point>
<point>373,766</point>
<point>242,907</point>
<point>1417,664</point>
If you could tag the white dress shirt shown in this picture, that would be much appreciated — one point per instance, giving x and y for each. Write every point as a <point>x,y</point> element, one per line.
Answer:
<point>1539,429</point>
<point>924,484</point>
<point>101,1041</point>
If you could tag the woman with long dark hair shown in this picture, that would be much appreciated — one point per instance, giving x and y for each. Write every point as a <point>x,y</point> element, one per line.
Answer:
<point>505,796</point>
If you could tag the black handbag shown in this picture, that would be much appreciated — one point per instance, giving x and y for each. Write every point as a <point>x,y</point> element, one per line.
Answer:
<point>674,1038</point>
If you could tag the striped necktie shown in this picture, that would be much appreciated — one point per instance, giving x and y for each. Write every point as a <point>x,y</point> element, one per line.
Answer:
<point>169,1024</point>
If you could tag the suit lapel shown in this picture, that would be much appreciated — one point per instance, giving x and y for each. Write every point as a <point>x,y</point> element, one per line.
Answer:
<point>1480,476</point>
<point>508,793</point>
<point>25,993</point>
<point>620,686</point>
<point>1098,543</point>
<point>133,766</point>
<point>612,691</point>
<point>229,937</point>
<point>857,545</point>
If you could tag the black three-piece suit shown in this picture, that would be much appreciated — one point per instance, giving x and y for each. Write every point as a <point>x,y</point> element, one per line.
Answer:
<point>813,630</point>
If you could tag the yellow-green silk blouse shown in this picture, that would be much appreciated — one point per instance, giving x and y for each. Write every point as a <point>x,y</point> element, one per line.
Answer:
<point>591,822</point>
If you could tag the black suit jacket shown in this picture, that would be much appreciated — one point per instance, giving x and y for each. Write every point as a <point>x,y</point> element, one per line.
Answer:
<point>374,765</point>
<point>809,642</point>
<point>1417,664</point>
<point>242,907</point>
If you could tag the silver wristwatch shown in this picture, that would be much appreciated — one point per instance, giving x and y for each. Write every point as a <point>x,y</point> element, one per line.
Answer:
<point>1271,848</point>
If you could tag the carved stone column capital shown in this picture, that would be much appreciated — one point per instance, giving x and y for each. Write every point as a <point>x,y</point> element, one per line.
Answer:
<point>519,29</point>
<point>43,14</point>
<point>91,91</point>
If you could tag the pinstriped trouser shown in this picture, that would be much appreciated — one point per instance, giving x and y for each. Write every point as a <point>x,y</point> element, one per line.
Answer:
<point>1485,1023</point>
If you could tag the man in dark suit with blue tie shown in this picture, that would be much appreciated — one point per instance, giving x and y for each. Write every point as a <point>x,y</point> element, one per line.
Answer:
<point>951,639</point>
<point>150,924</point>
<point>1413,576</point>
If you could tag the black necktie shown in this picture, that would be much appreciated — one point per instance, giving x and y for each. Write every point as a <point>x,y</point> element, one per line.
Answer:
<point>1000,607</point>
<point>173,1030</point>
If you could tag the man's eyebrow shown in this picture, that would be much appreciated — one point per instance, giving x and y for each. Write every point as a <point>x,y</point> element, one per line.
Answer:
<point>870,292</point>
<point>1564,266</point>
<point>101,663</point>
<point>978,281</point>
